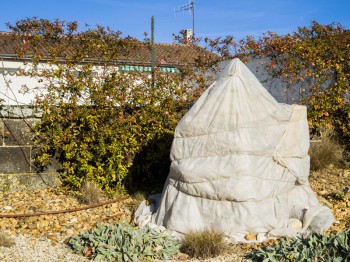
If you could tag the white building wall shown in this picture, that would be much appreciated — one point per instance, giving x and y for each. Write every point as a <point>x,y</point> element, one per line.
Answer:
<point>12,86</point>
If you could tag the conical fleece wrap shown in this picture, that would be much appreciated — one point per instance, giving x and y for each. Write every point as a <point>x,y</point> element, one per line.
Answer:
<point>240,164</point>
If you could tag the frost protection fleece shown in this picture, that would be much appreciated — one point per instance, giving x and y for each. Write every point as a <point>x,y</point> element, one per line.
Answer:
<point>240,164</point>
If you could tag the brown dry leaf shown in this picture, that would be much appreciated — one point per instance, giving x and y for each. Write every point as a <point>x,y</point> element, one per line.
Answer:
<point>87,251</point>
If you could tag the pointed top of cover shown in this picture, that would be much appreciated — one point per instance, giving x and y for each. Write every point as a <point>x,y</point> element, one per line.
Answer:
<point>236,100</point>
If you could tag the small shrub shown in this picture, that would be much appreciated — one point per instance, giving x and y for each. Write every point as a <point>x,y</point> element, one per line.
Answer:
<point>123,242</point>
<point>315,247</point>
<point>326,152</point>
<point>6,241</point>
<point>90,193</point>
<point>203,244</point>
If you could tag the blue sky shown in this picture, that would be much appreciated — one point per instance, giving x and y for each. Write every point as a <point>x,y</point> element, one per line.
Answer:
<point>212,18</point>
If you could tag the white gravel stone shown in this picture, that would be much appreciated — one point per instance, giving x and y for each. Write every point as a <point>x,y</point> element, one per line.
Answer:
<point>295,223</point>
<point>73,220</point>
<point>30,250</point>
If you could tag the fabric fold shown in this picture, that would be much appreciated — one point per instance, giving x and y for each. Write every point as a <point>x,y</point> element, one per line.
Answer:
<point>240,163</point>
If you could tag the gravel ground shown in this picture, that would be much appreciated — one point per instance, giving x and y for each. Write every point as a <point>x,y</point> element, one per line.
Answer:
<point>42,238</point>
<point>28,249</point>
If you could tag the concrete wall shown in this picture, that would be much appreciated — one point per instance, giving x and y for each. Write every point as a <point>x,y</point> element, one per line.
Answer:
<point>17,171</point>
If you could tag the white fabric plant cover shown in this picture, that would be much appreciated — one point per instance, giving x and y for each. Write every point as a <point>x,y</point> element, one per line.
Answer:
<point>240,164</point>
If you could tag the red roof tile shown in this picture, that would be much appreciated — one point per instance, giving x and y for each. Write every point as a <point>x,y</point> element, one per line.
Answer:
<point>136,52</point>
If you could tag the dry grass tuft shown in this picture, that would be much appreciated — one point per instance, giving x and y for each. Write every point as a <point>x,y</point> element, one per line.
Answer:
<point>90,193</point>
<point>203,244</point>
<point>325,152</point>
<point>6,241</point>
<point>137,198</point>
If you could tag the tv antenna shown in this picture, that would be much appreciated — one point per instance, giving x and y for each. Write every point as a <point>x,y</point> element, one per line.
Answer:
<point>188,7</point>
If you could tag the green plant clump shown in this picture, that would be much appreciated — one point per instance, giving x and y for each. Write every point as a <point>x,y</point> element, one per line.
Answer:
<point>123,242</point>
<point>315,247</point>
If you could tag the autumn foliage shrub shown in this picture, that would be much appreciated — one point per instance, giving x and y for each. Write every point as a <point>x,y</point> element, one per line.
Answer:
<point>313,63</point>
<point>104,125</point>
<point>115,128</point>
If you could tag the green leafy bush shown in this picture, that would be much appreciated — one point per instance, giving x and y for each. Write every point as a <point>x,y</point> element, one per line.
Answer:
<point>203,244</point>
<point>114,128</point>
<point>123,242</point>
<point>315,247</point>
<point>104,125</point>
<point>313,62</point>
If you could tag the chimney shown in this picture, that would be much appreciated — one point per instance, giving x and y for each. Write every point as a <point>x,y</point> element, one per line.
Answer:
<point>188,35</point>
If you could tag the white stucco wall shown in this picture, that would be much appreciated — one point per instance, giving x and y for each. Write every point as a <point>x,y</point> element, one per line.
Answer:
<point>22,90</point>
<point>12,85</point>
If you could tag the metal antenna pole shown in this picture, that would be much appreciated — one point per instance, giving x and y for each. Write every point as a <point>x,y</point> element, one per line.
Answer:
<point>190,7</point>
<point>152,52</point>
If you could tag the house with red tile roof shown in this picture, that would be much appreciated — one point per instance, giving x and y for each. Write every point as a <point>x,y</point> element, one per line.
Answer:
<point>168,58</point>
<point>17,115</point>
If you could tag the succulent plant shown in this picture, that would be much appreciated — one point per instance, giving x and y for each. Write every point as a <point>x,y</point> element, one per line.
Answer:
<point>123,242</point>
<point>314,247</point>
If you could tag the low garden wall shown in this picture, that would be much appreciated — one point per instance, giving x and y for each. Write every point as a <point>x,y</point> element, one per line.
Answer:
<point>17,171</point>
